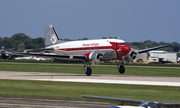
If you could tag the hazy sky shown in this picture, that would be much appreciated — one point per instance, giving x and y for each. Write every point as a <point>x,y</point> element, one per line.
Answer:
<point>131,20</point>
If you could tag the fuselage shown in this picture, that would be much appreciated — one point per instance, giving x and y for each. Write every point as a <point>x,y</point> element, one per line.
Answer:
<point>109,48</point>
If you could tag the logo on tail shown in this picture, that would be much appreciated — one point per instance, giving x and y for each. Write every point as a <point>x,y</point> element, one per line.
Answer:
<point>53,39</point>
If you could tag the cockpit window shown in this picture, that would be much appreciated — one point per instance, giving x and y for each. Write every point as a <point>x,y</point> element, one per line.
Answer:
<point>117,44</point>
<point>122,43</point>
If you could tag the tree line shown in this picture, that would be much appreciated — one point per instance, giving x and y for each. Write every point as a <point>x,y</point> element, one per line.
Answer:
<point>20,40</point>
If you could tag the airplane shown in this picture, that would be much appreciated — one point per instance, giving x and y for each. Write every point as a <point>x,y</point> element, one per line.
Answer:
<point>131,103</point>
<point>87,51</point>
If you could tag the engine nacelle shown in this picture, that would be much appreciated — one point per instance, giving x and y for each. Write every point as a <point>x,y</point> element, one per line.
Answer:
<point>94,56</point>
<point>133,55</point>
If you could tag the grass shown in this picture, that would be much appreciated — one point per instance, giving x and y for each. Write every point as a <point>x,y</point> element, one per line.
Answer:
<point>47,89</point>
<point>106,63</point>
<point>79,69</point>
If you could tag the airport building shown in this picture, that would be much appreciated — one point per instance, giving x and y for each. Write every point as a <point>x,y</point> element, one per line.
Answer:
<point>162,56</point>
<point>156,56</point>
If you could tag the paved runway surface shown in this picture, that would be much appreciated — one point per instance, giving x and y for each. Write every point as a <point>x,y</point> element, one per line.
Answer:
<point>12,102</point>
<point>114,79</point>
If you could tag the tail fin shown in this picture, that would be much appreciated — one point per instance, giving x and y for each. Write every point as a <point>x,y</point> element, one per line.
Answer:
<point>51,36</point>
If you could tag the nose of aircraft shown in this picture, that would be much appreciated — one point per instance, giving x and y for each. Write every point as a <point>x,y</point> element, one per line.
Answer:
<point>126,49</point>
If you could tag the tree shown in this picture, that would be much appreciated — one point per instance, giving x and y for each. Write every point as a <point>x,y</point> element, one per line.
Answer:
<point>104,37</point>
<point>20,36</point>
<point>84,38</point>
<point>29,44</point>
<point>110,37</point>
<point>6,42</point>
<point>38,42</point>
<point>21,47</point>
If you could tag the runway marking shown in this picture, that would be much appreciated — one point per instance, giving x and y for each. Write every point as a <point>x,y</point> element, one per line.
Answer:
<point>155,83</point>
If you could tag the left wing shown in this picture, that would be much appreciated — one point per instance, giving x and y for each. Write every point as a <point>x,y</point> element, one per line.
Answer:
<point>42,49</point>
<point>54,56</point>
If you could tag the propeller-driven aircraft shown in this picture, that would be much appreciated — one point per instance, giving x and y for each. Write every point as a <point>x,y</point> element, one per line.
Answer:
<point>131,103</point>
<point>87,51</point>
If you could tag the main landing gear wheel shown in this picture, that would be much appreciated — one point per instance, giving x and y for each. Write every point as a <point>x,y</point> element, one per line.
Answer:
<point>87,68</point>
<point>120,66</point>
<point>88,71</point>
<point>121,69</point>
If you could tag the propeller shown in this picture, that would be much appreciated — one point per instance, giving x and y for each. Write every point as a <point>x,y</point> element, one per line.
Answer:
<point>130,57</point>
<point>97,60</point>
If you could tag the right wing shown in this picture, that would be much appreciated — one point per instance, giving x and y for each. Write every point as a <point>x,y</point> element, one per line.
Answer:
<point>153,48</point>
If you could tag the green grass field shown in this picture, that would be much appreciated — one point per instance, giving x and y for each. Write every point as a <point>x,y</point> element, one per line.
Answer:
<point>47,89</point>
<point>79,69</point>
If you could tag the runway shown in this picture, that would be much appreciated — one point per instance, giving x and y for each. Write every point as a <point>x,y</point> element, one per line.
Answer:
<point>27,102</point>
<point>109,79</point>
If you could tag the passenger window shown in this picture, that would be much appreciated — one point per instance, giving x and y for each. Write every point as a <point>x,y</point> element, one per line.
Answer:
<point>116,44</point>
<point>72,49</point>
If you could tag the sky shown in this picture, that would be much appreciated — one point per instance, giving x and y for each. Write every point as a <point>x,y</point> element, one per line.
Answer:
<point>130,20</point>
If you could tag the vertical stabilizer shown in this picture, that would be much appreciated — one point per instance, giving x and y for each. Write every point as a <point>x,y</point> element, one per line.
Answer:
<point>51,36</point>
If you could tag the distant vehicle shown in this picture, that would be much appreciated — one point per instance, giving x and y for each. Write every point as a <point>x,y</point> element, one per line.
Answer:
<point>130,103</point>
<point>87,51</point>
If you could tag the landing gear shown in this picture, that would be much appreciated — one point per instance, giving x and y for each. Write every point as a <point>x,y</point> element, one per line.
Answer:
<point>88,70</point>
<point>121,67</point>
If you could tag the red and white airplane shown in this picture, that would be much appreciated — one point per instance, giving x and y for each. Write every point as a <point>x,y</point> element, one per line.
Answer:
<point>87,51</point>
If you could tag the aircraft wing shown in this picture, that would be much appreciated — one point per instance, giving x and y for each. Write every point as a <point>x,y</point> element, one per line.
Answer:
<point>154,48</point>
<point>41,49</point>
<point>119,101</point>
<point>53,56</point>
<point>131,103</point>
